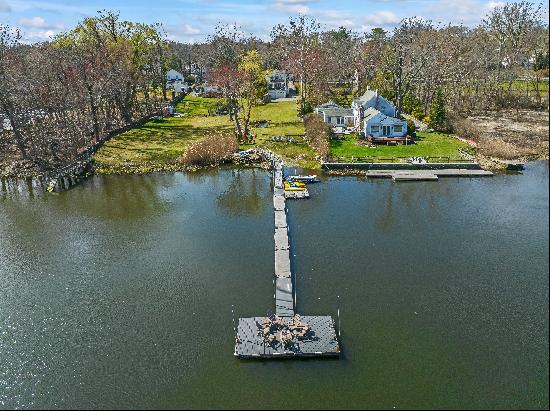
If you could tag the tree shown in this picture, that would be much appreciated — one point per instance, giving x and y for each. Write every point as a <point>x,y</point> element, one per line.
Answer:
<point>509,24</point>
<point>437,117</point>
<point>253,85</point>
<point>9,60</point>
<point>405,56</point>
<point>294,44</point>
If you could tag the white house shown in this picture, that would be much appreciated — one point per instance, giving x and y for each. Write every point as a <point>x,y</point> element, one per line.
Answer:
<point>335,114</point>
<point>371,99</point>
<point>179,86</point>
<point>381,128</point>
<point>277,84</point>
<point>173,75</point>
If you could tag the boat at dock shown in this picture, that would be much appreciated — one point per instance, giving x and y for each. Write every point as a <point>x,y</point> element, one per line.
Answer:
<point>294,186</point>
<point>304,179</point>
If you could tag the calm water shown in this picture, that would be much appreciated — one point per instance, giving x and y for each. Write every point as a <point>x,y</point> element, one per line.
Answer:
<point>118,293</point>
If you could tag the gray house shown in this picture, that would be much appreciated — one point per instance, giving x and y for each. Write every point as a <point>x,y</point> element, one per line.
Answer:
<point>335,115</point>
<point>370,99</point>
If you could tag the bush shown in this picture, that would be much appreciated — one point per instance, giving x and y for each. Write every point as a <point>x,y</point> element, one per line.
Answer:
<point>305,108</point>
<point>211,150</point>
<point>318,134</point>
<point>411,128</point>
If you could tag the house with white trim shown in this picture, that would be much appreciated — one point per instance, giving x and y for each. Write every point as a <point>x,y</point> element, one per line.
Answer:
<point>381,128</point>
<point>371,99</point>
<point>173,75</point>
<point>335,115</point>
<point>277,84</point>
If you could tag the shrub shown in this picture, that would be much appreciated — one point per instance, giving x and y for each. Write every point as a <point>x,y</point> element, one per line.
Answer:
<point>305,108</point>
<point>211,150</point>
<point>411,128</point>
<point>413,106</point>
<point>318,134</point>
<point>437,112</point>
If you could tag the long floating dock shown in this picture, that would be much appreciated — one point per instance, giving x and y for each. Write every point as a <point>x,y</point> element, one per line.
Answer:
<point>426,175</point>
<point>268,337</point>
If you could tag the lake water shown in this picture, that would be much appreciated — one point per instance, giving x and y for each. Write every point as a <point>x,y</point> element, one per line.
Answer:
<point>118,293</point>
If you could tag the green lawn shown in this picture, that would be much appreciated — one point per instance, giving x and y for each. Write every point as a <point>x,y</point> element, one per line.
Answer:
<point>157,145</point>
<point>523,85</point>
<point>427,145</point>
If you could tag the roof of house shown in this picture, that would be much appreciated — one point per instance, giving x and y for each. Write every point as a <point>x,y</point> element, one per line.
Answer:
<point>367,96</point>
<point>337,112</point>
<point>371,113</point>
<point>334,110</point>
<point>329,104</point>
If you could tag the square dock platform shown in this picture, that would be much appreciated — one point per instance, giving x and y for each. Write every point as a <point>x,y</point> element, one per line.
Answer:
<point>320,341</point>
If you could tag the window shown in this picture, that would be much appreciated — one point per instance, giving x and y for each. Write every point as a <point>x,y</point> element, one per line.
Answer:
<point>339,120</point>
<point>374,129</point>
<point>398,129</point>
<point>329,119</point>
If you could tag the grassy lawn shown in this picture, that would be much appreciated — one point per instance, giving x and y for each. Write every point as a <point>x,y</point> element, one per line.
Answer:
<point>427,145</point>
<point>157,145</point>
<point>523,85</point>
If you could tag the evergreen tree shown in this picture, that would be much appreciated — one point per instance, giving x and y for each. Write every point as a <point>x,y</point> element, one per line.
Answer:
<point>413,106</point>
<point>436,119</point>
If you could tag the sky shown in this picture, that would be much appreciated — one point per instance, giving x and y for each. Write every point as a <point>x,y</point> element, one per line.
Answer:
<point>193,20</point>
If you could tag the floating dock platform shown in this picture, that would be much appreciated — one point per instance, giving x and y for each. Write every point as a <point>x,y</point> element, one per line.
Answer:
<point>426,175</point>
<point>320,339</point>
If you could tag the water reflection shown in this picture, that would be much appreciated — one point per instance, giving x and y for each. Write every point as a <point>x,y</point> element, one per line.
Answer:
<point>245,194</point>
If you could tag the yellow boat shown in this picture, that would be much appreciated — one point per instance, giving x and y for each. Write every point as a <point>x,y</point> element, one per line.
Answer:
<point>296,186</point>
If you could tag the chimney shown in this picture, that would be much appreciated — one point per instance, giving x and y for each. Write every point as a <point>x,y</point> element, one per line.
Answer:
<point>376,92</point>
<point>368,88</point>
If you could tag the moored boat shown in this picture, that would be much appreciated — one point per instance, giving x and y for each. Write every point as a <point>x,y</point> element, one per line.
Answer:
<point>305,179</point>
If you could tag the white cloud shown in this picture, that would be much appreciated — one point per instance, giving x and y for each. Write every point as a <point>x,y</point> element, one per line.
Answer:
<point>190,30</point>
<point>38,23</point>
<point>292,6</point>
<point>493,4</point>
<point>183,32</point>
<point>4,6</point>
<point>37,36</point>
<point>469,12</point>
<point>381,18</point>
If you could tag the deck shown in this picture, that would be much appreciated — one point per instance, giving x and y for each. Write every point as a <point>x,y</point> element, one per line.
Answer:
<point>321,340</point>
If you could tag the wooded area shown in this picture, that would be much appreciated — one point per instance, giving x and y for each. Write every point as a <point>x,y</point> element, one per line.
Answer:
<point>60,97</point>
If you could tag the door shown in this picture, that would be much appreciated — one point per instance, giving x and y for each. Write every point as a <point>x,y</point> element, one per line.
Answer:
<point>386,130</point>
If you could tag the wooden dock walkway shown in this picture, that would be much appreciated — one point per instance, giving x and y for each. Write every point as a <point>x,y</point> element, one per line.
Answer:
<point>320,339</point>
<point>426,175</point>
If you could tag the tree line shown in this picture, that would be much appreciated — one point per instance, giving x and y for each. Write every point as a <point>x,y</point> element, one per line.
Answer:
<point>63,95</point>
<point>59,97</point>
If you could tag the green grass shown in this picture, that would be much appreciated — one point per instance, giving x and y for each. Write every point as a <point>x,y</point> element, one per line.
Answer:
<point>523,85</point>
<point>427,145</point>
<point>157,145</point>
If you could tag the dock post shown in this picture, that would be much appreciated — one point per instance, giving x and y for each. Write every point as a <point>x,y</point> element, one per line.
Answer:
<point>234,326</point>
<point>338,315</point>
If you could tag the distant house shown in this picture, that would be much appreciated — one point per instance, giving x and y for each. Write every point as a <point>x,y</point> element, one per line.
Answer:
<point>371,99</point>
<point>335,115</point>
<point>381,128</point>
<point>178,86</point>
<point>173,75</point>
<point>175,81</point>
<point>277,84</point>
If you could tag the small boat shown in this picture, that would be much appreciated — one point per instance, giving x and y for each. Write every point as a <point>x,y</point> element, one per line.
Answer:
<point>304,179</point>
<point>294,186</point>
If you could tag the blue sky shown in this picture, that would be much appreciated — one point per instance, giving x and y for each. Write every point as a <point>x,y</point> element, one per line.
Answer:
<point>193,20</point>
